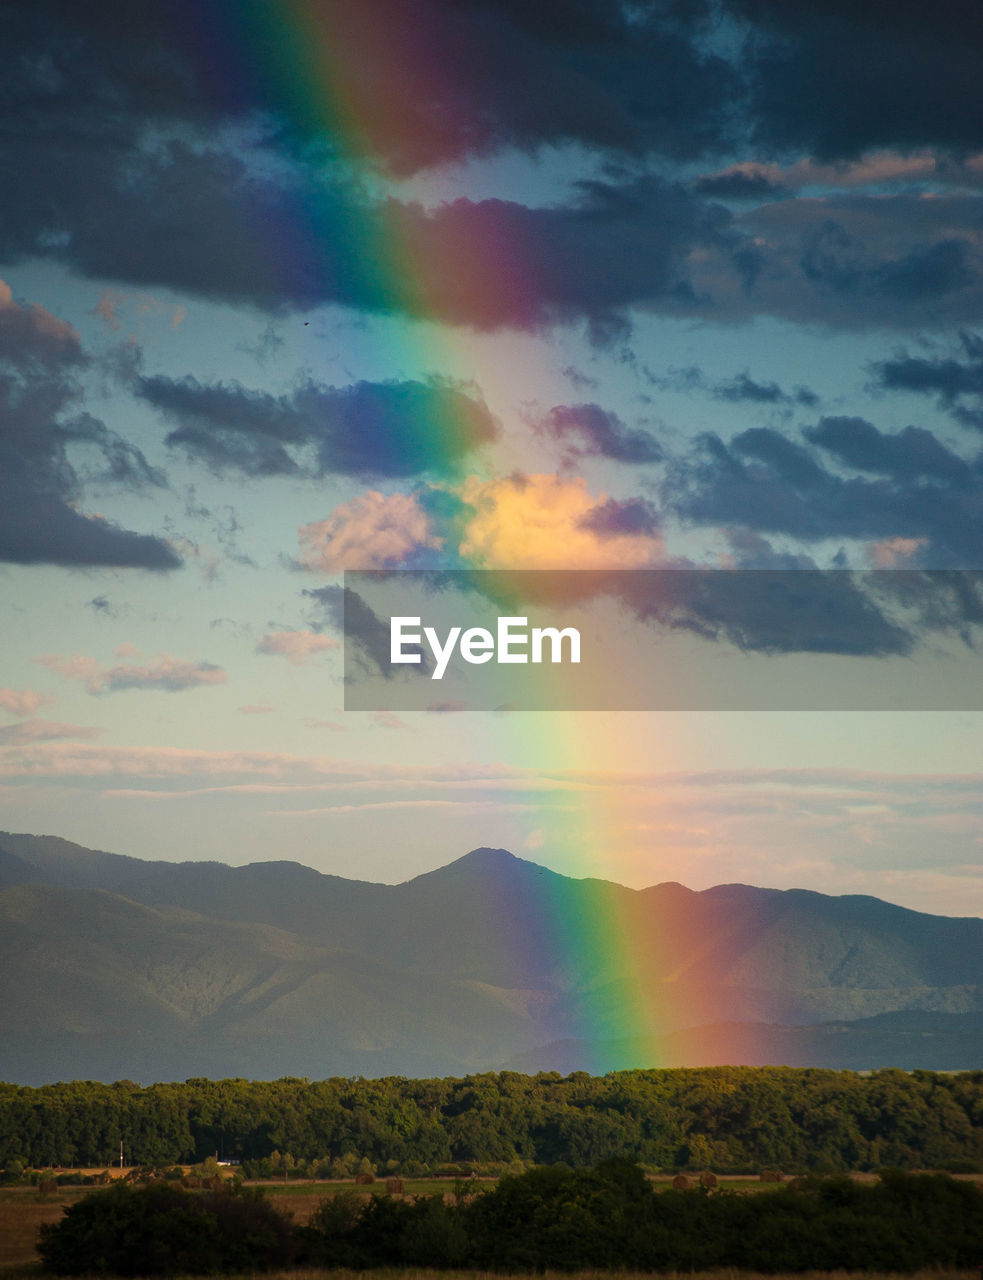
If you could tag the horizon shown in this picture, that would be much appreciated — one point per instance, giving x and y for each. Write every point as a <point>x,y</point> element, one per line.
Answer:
<point>484,849</point>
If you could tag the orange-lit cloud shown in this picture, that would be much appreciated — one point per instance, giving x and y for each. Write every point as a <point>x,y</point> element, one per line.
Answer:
<point>893,553</point>
<point>371,531</point>
<point>297,647</point>
<point>22,702</point>
<point>548,522</point>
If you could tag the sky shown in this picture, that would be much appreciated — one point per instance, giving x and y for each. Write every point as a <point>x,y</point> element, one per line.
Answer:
<point>291,287</point>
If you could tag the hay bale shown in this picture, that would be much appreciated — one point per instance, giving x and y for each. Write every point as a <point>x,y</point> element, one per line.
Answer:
<point>48,1187</point>
<point>394,1186</point>
<point>708,1179</point>
<point>772,1175</point>
<point>681,1183</point>
<point>364,1179</point>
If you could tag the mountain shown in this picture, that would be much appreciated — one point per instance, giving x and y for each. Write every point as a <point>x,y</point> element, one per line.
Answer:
<point>112,966</point>
<point>914,1040</point>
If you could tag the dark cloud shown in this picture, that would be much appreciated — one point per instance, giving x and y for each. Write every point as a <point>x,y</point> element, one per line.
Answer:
<point>908,454</point>
<point>613,518</point>
<point>587,430</point>
<point>740,389</point>
<point>764,482</point>
<point>490,75</point>
<point>121,188</point>
<point>928,271</point>
<point>835,260</point>
<point>47,448</point>
<point>751,551</point>
<point>831,78</point>
<point>620,245</point>
<point>956,381</point>
<point>789,609</point>
<point>745,388</point>
<point>775,611</point>
<point>153,150</point>
<point>851,261</point>
<point>739,184</point>
<point>367,639</point>
<point>367,429</point>
<point>582,381</point>
<point>836,78</point>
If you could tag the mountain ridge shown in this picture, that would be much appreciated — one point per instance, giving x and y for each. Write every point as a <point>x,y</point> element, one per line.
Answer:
<point>201,967</point>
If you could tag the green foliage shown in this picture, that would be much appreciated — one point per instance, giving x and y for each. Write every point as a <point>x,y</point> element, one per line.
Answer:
<point>726,1118</point>
<point>159,1229</point>
<point>610,1219</point>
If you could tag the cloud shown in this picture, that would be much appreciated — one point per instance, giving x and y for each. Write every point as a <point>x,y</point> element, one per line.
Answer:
<point>166,673</point>
<point>33,335</point>
<point>887,75</point>
<point>908,454</point>
<point>181,213</point>
<point>749,550</point>
<point>388,720</point>
<point>543,521</point>
<point>367,429</point>
<point>371,531</point>
<point>955,380</point>
<point>132,163</point>
<point>740,389</point>
<point>588,73</point>
<point>29,731</point>
<point>615,247</point>
<point>587,430</point>
<point>743,389</point>
<point>255,709</point>
<point>271,770</point>
<point>298,647</point>
<point>22,702</point>
<point>740,182</point>
<point>44,440</point>
<point>852,261</point>
<point>614,518</point>
<point>520,521</point>
<point>763,481</point>
<point>776,611</point>
<point>367,638</point>
<point>894,553</point>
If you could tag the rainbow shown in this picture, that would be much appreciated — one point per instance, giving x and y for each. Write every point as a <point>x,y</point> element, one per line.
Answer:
<point>345,70</point>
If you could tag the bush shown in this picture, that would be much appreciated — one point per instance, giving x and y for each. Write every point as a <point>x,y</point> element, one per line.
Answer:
<point>158,1229</point>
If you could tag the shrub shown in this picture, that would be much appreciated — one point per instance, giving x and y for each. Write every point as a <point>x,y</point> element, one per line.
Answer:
<point>158,1229</point>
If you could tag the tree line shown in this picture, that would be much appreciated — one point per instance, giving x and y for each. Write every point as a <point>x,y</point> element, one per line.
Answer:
<point>555,1218</point>
<point>732,1119</point>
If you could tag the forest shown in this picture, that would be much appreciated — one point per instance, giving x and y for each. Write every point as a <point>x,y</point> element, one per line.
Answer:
<point>730,1119</point>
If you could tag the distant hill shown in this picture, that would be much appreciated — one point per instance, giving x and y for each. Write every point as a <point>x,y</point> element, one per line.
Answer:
<point>112,966</point>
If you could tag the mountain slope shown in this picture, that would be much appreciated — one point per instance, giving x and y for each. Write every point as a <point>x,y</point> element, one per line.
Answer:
<point>102,986</point>
<point>184,968</point>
